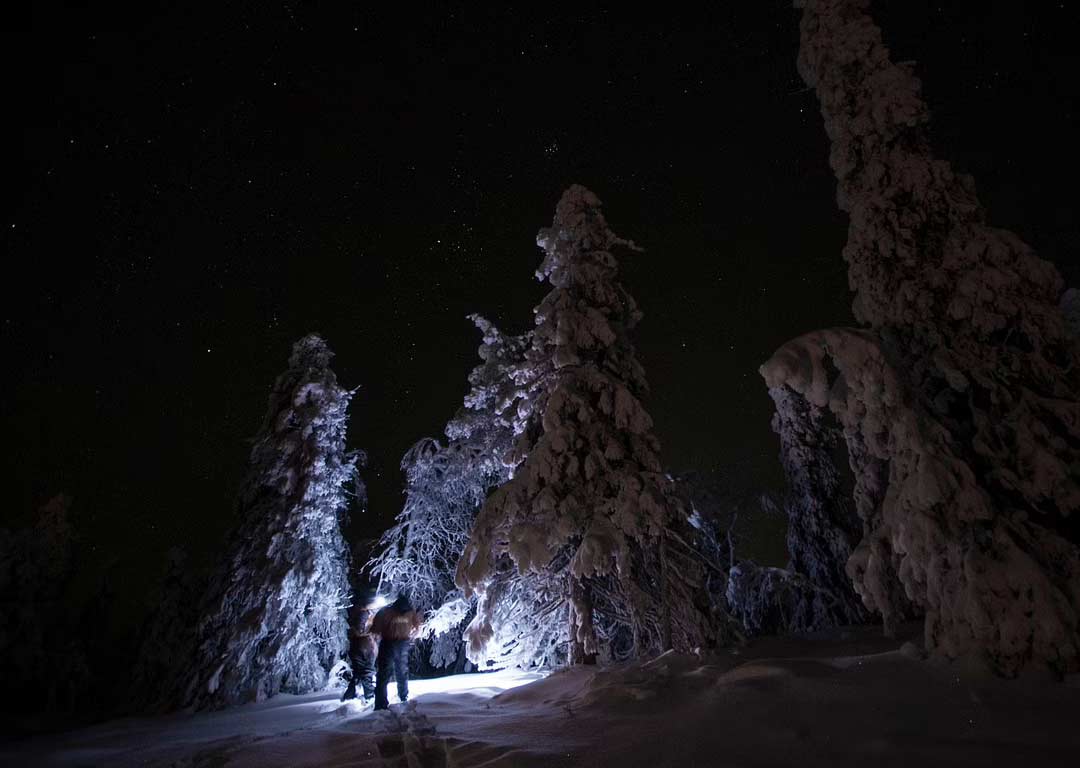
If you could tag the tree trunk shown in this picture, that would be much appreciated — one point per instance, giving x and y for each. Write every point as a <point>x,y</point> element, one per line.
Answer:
<point>579,598</point>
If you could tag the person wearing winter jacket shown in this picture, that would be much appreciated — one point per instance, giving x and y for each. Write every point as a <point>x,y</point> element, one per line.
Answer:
<point>395,625</point>
<point>362,649</point>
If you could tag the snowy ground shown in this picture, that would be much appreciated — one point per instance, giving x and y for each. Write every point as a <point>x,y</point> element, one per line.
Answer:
<point>852,699</point>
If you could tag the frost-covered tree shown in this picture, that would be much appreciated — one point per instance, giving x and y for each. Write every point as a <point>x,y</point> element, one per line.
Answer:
<point>588,510</point>
<point>275,619</point>
<point>958,404</point>
<point>445,485</point>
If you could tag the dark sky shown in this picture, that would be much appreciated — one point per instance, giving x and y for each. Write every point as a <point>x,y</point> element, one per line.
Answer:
<point>192,190</point>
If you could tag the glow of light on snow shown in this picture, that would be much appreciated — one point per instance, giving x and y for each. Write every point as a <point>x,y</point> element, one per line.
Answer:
<point>378,602</point>
<point>492,683</point>
<point>482,684</point>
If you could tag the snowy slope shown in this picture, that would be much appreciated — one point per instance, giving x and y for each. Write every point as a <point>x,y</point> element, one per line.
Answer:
<point>848,699</point>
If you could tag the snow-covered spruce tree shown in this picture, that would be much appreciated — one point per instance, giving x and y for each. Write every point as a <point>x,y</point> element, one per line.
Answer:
<point>275,620</point>
<point>588,509</point>
<point>958,406</point>
<point>445,485</point>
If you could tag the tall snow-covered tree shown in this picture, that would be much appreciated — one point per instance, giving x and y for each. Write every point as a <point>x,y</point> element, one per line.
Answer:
<point>445,485</point>
<point>958,402</point>
<point>275,619</point>
<point>588,510</point>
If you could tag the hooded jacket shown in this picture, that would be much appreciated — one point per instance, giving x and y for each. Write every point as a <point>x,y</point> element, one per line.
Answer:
<point>396,622</point>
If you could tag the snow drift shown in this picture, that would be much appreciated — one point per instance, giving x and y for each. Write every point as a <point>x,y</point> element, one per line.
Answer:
<point>847,698</point>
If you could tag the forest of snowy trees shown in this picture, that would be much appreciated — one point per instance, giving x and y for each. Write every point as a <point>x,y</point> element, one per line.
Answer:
<point>932,455</point>
<point>540,530</point>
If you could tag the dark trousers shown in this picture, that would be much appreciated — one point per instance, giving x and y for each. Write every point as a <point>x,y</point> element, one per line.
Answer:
<point>363,672</point>
<point>393,658</point>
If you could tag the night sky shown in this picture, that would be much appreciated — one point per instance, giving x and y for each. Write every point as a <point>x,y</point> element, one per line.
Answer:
<point>190,191</point>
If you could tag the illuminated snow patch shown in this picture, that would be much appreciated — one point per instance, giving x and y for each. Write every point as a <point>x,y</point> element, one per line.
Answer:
<point>481,684</point>
<point>478,683</point>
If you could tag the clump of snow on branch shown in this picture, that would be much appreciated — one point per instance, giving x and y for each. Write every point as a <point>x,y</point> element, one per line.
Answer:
<point>588,508</point>
<point>520,621</point>
<point>275,619</point>
<point>446,618</point>
<point>959,407</point>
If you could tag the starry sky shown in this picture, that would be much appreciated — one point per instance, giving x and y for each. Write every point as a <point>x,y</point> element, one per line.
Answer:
<point>192,190</point>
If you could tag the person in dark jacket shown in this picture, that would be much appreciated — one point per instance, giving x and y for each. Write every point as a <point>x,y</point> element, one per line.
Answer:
<point>362,647</point>
<point>396,625</point>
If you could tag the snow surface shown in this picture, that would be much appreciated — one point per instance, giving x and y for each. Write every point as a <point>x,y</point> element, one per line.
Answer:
<point>847,698</point>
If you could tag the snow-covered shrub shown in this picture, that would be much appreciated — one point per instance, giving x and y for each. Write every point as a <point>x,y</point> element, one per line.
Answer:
<point>275,619</point>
